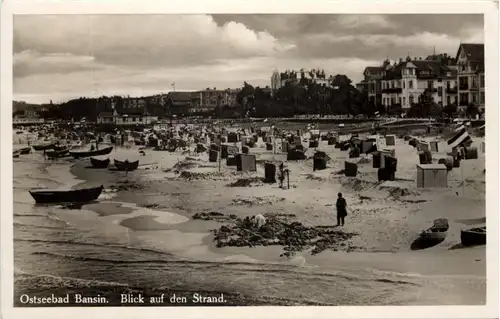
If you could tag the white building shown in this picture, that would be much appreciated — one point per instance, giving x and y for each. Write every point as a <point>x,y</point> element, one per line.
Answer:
<point>403,83</point>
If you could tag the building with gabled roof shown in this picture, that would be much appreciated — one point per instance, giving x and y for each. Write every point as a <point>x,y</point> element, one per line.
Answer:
<point>404,82</point>
<point>471,75</point>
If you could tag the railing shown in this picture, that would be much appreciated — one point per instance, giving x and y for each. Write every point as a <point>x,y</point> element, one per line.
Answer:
<point>474,87</point>
<point>463,86</point>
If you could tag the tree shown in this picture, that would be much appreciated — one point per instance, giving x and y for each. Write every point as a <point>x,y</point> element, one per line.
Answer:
<point>450,109</point>
<point>425,107</point>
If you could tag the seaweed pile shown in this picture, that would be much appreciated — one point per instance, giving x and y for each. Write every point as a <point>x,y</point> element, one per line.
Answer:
<point>294,236</point>
<point>126,186</point>
<point>212,216</point>
<point>247,182</point>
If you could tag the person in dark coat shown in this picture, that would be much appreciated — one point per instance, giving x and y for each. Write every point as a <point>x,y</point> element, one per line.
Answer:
<point>341,210</point>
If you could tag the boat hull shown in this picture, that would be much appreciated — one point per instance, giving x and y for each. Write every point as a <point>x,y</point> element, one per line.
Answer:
<point>69,196</point>
<point>126,166</point>
<point>99,163</point>
<point>57,154</point>
<point>43,147</point>
<point>473,237</point>
<point>104,151</point>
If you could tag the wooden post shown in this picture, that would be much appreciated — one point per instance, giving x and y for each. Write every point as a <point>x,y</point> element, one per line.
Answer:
<point>288,178</point>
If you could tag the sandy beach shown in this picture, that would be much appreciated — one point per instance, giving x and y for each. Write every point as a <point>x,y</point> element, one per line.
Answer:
<point>141,234</point>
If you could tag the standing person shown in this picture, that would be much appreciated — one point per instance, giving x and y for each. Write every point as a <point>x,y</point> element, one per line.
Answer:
<point>282,175</point>
<point>341,210</point>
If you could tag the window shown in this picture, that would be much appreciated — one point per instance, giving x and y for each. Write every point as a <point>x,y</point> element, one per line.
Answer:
<point>400,100</point>
<point>411,99</point>
<point>448,84</point>
<point>474,98</point>
<point>430,84</point>
<point>403,84</point>
<point>482,81</point>
<point>482,98</point>
<point>448,100</point>
<point>411,84</point>
<point>474,82</point>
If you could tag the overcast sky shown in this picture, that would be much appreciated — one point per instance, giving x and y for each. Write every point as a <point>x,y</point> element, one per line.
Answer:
<point>60,57</point>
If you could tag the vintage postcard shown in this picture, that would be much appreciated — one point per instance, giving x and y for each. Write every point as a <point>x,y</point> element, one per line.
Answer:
<point>308,159</point>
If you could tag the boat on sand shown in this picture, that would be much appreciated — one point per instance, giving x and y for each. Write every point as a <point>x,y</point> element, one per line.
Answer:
<point>473,236</point>
<point>66,196</point>
<point>126,165</point>
<point>99,163</point>
<point>433,235</point>
<point>43,147</point>
<point>82,154</point>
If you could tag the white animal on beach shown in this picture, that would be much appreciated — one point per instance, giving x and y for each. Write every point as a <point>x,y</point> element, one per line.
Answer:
<point>258,220</point>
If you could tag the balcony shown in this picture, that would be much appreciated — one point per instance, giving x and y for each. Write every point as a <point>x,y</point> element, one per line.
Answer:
<point>392,90</point>
<point>451,90</point>
<point>474,88</point>
<point>463,86</point>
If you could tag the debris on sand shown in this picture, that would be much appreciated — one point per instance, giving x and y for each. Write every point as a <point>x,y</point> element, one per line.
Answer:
<point>294,236</point>
<point>200,175</point>
<point>126,186</point>
<point>247,182</point>
<point>256,201</point>
<point>211,216</point>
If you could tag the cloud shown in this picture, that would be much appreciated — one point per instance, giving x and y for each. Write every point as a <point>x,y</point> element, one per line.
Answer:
<point>32,62</point>
<point>71,55</point>
<point>143,40</point>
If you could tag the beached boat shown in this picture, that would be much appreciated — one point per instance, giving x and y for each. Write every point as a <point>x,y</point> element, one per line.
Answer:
<point>436,233</point>
<point>82,154</point>
<point>66,196</point>
<point>57,154</point>
<point>97,163</point>
<point>24,151</point>
<point>43,147</point>
<point>473,236</point>
<point>15,154</point>
<point>126,165</point>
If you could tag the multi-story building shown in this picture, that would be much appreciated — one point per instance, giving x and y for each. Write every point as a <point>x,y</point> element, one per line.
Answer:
<point>404,82</point>
<point>470,75</point>
<point>280,79</point>
<point>372,83</point>
<point>210,99</point>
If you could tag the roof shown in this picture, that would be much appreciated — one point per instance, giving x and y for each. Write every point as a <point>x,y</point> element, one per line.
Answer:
<point>372,69</point>
<point>431,166</point>
<point>473,51</point>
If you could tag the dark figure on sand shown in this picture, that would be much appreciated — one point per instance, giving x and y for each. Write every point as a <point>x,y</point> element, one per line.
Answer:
<point>282,175</point>
<point>341,210</point>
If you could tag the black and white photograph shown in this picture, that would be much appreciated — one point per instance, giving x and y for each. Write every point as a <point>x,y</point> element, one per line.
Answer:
<point>250,159</point>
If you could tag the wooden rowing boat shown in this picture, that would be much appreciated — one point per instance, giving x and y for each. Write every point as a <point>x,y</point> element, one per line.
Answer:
<point>66,196</point>
<point>126,165</point>
<point>57,154</point>
<point>82,154</point>
<point>473,236</point>
<point>97,163</point>
<point>43,147</point>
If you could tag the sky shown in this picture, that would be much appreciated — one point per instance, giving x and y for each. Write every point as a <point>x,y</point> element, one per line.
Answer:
<point>59,57</point>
